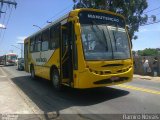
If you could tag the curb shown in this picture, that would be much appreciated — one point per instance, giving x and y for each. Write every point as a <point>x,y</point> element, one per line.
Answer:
<point>146,77</point>
<point>143,78</point>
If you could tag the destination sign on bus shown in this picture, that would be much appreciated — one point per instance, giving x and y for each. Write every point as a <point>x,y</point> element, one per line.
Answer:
<point>92,16</point>
<point>88,17</point>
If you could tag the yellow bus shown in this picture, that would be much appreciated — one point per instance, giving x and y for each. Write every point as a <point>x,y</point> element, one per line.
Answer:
<point>86,48</point>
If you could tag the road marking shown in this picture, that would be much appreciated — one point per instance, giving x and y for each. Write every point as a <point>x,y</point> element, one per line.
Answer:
<point>139,89</point>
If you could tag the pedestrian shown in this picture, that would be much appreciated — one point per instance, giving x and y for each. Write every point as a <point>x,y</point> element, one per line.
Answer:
<point>143,60</point>
<point>146,67</point>
<point>155,66</point>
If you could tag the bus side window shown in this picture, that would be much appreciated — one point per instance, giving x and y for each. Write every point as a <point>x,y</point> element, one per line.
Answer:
<point>38,43</point>
<point>54,37</point>
<point>32,44</point>
<point>45,40</point>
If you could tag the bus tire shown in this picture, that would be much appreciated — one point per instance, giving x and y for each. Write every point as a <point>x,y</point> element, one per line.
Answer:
<point>55,77</point>
<point>33,77</point>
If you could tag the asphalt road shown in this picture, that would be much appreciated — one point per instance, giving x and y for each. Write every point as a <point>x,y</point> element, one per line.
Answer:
<point>137,97</point>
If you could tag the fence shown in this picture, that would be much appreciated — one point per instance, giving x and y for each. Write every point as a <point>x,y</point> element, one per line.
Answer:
<point>138,65</point>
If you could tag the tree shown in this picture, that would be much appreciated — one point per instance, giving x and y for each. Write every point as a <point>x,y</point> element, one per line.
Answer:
<point>132,10</point>
<point>148,52</point>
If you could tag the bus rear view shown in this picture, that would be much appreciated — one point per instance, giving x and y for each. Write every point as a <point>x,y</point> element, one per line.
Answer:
<point>10,59</point>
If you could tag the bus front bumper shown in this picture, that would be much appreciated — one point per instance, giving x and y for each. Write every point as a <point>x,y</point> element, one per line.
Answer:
<point>88,79</point>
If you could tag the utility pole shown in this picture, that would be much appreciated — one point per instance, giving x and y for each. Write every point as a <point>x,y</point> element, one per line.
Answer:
<point>8,2</point>
<point>2,12</point>
<point>21,49</point>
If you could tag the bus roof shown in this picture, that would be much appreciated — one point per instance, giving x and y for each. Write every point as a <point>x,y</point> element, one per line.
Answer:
<point>11,54</point>
<point>53,23</point>
<point>72,14</point>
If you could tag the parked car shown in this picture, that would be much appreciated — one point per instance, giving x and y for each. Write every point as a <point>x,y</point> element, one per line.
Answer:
<point>20,64</point>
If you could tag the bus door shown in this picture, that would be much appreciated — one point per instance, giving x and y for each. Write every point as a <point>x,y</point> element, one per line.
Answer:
<point>66,53</point>
<point>26,57</point>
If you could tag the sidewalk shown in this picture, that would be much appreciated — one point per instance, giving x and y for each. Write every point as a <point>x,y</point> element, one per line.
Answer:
<point>10,100</point>
<point>14,104</point>
<point>146,77</point>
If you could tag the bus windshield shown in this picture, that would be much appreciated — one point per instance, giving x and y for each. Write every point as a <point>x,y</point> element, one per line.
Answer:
<point>103,42</point>
<point>11,57</point>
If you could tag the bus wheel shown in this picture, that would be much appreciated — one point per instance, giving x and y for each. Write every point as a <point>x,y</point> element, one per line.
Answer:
<point>56,80</point>
<point>32,73</point>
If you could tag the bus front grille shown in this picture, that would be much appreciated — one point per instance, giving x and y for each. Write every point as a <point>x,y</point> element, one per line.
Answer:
<point>107,81</point>
<point>100,72</point>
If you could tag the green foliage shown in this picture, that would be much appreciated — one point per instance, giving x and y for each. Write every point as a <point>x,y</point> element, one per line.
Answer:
<point>132,10</point>
<point>148,52</point>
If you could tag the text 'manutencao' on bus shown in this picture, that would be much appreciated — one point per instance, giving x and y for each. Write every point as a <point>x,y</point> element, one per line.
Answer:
<point>84,49</point>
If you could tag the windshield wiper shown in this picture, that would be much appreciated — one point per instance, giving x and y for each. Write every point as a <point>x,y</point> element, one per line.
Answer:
<point>97,36</point>
<point>110,42</point>
<point>105,39</point>
<point>102,33</point>
<point>115,40</point>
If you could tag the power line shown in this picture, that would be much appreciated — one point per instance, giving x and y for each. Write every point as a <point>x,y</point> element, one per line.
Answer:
<point>7,23</point>
<point>151,23</point>
<point>151,10</point>
<point>1,11</point>
<point>155,15</point>
<point>59,12</point>
<point>9,16</point>
<point>3,22</point>
<point>8,2</point>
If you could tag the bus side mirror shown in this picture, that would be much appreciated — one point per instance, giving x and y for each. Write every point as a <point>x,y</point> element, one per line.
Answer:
<point>127,27</point>
<point>77,29</point>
